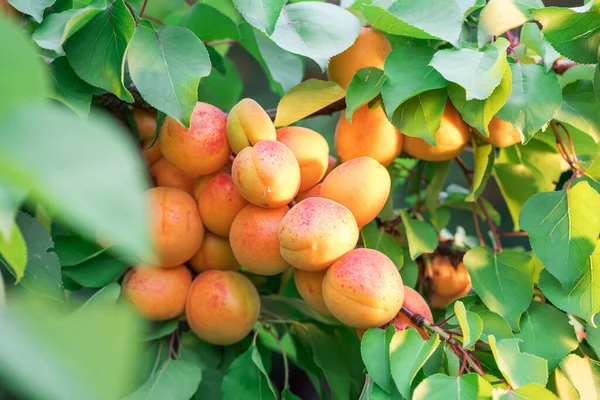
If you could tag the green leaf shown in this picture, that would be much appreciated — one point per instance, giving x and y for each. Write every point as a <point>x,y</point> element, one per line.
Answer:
<point>24,79</point>
<point>532,38</point>
<point>73,249</point>
<point>106,296</point>
<point>378,239</point>
<point>576,35</point>
<point>421,115</point>
<point>597,81</point>
<point>302,27</point>
<point>441,170</point>
<point>166,67</point>
<point>294,308</point>
<point>479,113</point>
<point>83,197</point>
<point>547,333</point>
<point>531,391</point>
<point>208,23</point>
<point>494,324</point>
<point>366,84</point>
<point>470,325</point>
<point>261,14</point>
<point>408,353</point>
<point>503,281</point>
<point>11,198</point>
<point>563,228</point>
<point>517,367</point>
<point>306,98</point>
<point>498,16</point>
<point>581,108</point>
<point>97,50</point>
<point>484,165</point>
<point>583,300</point>
<point>584,374</point>
<point>421,236</point>
<point>175,380</point>
<point>247,374</point>
<point>14,251</point>
<point>221,90</point>
<point>163,329</point>
<point>444,387</point>
<point>410,270</point>
<point>456,198</point>
<point>35,8</point>
<point>408,74</point>
<point>576,73</point>
<point>479,73</point>
<point>96,272</point>
<point>70,89</point>
<point>534,101</point>
<point>593,337</point>
<point>375,351</point>
<point>286,394</point>
<point>591,175</point>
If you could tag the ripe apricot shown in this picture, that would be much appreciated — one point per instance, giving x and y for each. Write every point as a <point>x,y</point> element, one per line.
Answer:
<point>222,307</point>
<point>166,174</point>
<point>369,135</point>
<point>451,139</point>
<point>254,240</point>
<point>331,163</point>
<point>363,289</point>
<point>152,154</point>
<point>215,253</point>
<point>310,149</point>
<point>310,287</point>
<point>448,280</point>
<point>219,203</point>
<point>437,301</point>
<point>157,293</point>
<point>314,191</point>
<point>267,174</point>
<point>369,50</point>
<point>175,225</point>
<point>417,304</point>
<point>201,182</point>
<point>145,122</point>
<point>201,149</point>
<point>248,124</point>
<point>362,185</point>
<point>316,232</point>
<point>502,133</point>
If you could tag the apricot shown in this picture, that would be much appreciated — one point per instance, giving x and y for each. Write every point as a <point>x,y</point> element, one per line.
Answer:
<point>219,203</point>
<point>201,149</point>
<point>254,241</point>
<point>362,185</point>
<point>267,174</point>
<point>314,191</point>
<point>448,280</point>
<point>248,124</point>
<point>310,287</point>
<point>441,302</point>
<point>310,149</point>
<point>145,122</point>
<point>316,232</point>
<point>215,253</point>
<point>175,225</point>
<point>451,139</point>
<point>502,133</point>
<point>157,293</point>
<point>152,154</point>
<point>166,174</point>
<point>363,289</point>
<point>417,304</point>
<point>369,50</point>
<point>331,163</point>
<point>201,182</point>
<point>222,307</point>
<point>369,135</point>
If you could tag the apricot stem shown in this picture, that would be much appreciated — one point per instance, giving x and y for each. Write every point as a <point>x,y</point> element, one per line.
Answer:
<point>477,227</point>
<point>286,369</point>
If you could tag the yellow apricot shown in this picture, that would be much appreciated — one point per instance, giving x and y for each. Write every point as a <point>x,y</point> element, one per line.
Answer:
<point>310,287</point>
<point>157,293</point>
<point>316,232</point>
<point>215,253</point>
<point>363,289</point>
<point>254,241</point>
<point>201,149</point>
<point>219,203</point>
<point>152,154</point>
<point>314,191</point>
<point>369,50</point>
<point>175,225</point>
<point>362,185</point>
<point>311,151</point>
<point>370,134</point>
<point>451,139</point>
<point>267,174</point>
<point>145,122</point>
<point>166,174</point>
<point>417,304</point>
<point>222,307</point>
<point>248,124</point>
<point>502,133</point>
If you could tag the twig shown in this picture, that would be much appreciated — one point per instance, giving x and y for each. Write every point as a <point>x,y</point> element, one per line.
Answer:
<point>132,13</point>
<point>477,227</point>
<point>158,21</point>
<point>441,324</point>
<point>465,170</point>
<point>143,8</point>
<point>560,66</point>
<point>511,50</point>
<point>160,346</point>
<point>492,226</point>
<point>504,233</point>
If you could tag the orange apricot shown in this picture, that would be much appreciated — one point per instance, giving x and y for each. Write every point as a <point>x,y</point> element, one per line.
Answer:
<point>254,241</point>
<point>447,279</point>
<point>502,133</point>
<point>314,191</point>
<point>369,50</point>
<point>152,154</point>
<point>417,304</point>
<point>145,122</point>
<point>175,225</point>
<point>267,174</point>
<point>331,163</point>
<point>201,182</point>
<point>219,203</point>
<point>201,149</point>
<point>441,302</point>
<point>311,151</point>
<point>316,232</point>
<point>248,124</point>
<point>310,287</point>
<point>370,134</point>
<point>451,139</point>
<point>363,289</point>
<point>222,307</point>
<point>215,253</point>
<point>362,185</point>
<point>166,174</point>
<point>157,293</point>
